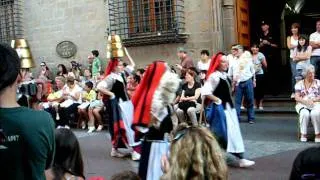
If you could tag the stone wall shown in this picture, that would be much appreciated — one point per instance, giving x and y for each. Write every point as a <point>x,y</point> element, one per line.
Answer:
<point>48,22</point>
<point>203,24</point>
<point>84,22</point>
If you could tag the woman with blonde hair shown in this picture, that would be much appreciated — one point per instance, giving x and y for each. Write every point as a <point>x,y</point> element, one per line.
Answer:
<point>194,154</point>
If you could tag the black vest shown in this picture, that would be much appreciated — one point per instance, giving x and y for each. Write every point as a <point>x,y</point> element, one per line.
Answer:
<point>223,92</point>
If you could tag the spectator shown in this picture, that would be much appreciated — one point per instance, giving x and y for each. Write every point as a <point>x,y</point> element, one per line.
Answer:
<point>306,165</point>
<point>307,97</point>
<point>75,70</point>
<point>140,72</point>
<point>26,136</point>
<point>96,65</point>
<point>126,175</point>
<point>89,95</point>
<point>315,44</point>
<point>62,70</point>
<point>45,72</point>
<point>185,61</point>
<point>133,82</point>
<point>43,80</point>
<point>243,77</point>
<point>260,63</point>
<point>203,64</point>
<point>71,95</point>
<point>129,68</point>
<point>194,154</point>
<point>292,43</point>
<point>190,101</point>
<point>268,47</point>
<point>68,163</point>
<point>301,56</point>
<point>94,110</point>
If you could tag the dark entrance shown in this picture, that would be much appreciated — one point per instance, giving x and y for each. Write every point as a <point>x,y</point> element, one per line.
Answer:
<point>281,14</point>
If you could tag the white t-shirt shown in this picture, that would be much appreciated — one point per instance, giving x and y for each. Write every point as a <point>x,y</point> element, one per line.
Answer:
<point>293,42</point>
<point>315,37</point>
<point>204,66</point>
<point>76,89</point>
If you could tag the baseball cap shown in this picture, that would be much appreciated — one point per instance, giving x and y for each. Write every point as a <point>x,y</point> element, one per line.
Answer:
<point>264,22</point>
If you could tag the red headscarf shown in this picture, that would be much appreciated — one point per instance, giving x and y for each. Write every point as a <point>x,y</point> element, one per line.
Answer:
<point>214,64</point>
<point>142,98</point>
<point>113,63</point>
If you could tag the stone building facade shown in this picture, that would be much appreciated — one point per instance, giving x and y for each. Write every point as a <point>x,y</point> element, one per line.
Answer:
<point>209,24</point>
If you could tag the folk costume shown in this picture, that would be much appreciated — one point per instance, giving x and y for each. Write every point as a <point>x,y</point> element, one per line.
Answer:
<point>153,117</point>
<point>222,115</point>
<point>121,108</point>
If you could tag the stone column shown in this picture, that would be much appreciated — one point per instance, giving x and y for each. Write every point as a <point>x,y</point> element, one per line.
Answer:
<point>229,23</point>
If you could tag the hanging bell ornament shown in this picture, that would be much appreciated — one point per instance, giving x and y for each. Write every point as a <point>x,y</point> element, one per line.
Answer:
<point>114,47</point>
<point>23,51</point>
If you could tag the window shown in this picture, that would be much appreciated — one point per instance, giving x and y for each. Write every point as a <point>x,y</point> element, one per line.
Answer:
<point>10,20</point>
<point>141,22</point>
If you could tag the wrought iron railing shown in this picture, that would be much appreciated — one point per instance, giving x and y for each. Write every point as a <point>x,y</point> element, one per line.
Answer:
<point>144,22</point>
<point>10,20</point>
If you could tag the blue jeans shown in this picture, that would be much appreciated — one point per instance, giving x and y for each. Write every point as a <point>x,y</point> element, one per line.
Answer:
<point>315,60</point>
<point>245,89</point>
<point>293,74</point>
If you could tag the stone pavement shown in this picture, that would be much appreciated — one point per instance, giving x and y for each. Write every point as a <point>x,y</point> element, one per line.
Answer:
<point>272,142</point>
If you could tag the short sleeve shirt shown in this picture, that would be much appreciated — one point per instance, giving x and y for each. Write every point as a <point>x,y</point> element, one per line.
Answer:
<point>92,95</point>
<point>310,93</point>
<point>27,143</point>
<point>257,61</point>
<point>96,66</point>
<point>188,92</point>
<point>315,37</point>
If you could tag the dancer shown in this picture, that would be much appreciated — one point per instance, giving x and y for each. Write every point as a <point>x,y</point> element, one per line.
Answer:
<point>221,113</point>
<point>153,119</point>
<point>113,87</point>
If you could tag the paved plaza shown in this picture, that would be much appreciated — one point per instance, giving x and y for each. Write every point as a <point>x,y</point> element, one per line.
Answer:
<point>272,142</point>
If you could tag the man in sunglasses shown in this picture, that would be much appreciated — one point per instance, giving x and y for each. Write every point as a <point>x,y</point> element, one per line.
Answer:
<point>26,136</point>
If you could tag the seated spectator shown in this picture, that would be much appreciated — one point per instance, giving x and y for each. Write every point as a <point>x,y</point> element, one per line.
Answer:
<point>306,165</point>
<point>308,107</point>
<point>68,163</point>
<point>94,110</point>
<point>87,77</point>
<point>54,99</point>
<point>75,70</point>
<point>62,70</point>
<point>194,154</point>
<point>43,80</point>
<point>133,82</point>
<point>89,95</point>
<point>126,175</point>
<point>71,95</point>
<point>190,99</point>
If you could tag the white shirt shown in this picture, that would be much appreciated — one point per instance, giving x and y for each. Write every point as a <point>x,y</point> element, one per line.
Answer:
<point>293,42</point>
<point>315,37</point>
<point>242,69</point>
<point>204,66</point>
<point>76,89</point>
<point>302,64</point>
<point>231,59</point>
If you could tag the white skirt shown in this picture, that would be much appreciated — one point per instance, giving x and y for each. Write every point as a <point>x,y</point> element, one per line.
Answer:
<point>235,141</point>
<point>126,108</point>
<point>157,150</point>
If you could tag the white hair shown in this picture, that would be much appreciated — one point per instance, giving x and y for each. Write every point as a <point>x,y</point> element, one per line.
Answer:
<point>306,69</point>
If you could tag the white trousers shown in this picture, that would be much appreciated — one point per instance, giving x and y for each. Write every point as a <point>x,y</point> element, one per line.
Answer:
<point>305,115</point>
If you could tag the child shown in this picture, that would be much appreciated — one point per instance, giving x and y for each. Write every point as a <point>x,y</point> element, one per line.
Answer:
<point>88,96</point>
<point>94,113</point>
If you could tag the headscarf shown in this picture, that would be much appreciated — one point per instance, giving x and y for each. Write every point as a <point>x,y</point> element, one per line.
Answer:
<point>142,98</point>
<point>215,62</point>
<point>113,63</point>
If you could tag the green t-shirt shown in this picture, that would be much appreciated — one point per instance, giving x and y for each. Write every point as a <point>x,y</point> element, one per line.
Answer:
<point>27,143</point>
<point>96,66</point>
